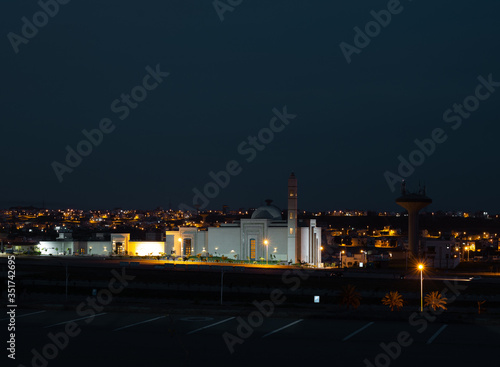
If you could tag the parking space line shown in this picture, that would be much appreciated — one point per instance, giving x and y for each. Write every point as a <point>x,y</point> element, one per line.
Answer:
<point>357,331</point>
<point>27,314</point>
<point>138,323</point>
<point>436,334</point>
<point>206,327</point>
<point>82,318</point>
<point>284,327</point>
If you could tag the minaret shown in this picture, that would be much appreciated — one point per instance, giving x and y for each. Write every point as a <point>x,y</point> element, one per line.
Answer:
<point>293,251</point>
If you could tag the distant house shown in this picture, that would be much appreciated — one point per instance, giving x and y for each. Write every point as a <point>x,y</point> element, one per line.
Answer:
<point>441,254</point>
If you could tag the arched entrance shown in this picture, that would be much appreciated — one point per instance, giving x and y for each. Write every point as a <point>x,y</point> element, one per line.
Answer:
<point>252,248</point>
<point>187,247</point>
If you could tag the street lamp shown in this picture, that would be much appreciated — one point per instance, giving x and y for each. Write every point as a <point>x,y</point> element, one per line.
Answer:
<point>421,268</point>
<point>341,252</point>
<point>266,242</point>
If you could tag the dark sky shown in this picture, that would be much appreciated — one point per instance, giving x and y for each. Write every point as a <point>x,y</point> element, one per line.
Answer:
<point>352,120</point>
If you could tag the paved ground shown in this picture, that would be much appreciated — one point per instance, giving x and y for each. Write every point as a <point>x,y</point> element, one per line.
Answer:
<point>197,339</point>
<point>142,339</point>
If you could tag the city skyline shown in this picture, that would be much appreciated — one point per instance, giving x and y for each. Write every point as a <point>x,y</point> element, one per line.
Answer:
<point>390,209</point>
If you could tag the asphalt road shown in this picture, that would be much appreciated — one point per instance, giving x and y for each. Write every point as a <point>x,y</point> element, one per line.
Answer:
<point>147,339</point>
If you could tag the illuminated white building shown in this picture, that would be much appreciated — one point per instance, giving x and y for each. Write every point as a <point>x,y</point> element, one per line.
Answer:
<point>265,235</point>
<point>119,244</point>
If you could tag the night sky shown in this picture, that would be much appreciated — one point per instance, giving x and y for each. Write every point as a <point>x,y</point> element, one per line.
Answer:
<point>351,120</point>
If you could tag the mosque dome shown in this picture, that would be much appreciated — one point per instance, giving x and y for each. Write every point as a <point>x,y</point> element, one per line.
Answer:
<point>267,212</point>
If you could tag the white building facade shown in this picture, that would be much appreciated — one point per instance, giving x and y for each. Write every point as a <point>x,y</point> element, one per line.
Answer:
<point>266,235</point>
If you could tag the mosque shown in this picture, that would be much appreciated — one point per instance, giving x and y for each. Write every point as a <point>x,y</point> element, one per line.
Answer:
<point>266,235</point>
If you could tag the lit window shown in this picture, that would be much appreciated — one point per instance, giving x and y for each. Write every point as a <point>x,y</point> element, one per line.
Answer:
<point>291,230</point>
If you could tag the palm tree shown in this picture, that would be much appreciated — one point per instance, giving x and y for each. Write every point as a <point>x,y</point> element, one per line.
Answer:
<point>350,296</point>
<point>393,299</point>
<point>435,300</point>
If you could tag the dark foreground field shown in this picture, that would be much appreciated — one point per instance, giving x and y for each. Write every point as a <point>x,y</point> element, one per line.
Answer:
<point>43,281</point>
<point>144,315</point>
<point>162,339</point>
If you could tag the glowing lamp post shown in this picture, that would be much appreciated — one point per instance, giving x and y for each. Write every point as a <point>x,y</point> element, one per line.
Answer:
<point>266,242</point>
<point>421,268</point>
<point>365,255</point>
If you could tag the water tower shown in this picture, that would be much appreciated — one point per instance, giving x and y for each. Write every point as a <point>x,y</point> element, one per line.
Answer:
<point>413,203</point>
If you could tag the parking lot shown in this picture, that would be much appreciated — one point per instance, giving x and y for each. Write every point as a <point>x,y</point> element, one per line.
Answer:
<point>147,339</point>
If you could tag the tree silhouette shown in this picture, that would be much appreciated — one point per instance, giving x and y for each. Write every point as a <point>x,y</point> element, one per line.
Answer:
<point>435,300</point>
<point>393,300</point>
<point>350,296</point>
